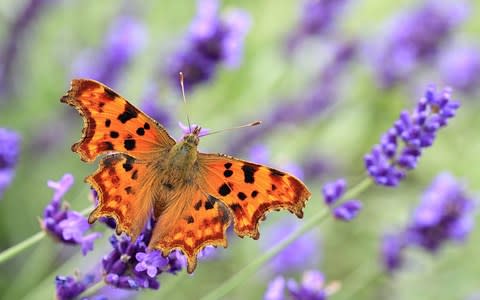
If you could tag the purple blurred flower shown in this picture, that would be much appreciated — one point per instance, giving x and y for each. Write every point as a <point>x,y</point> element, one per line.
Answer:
<point>415,39</point>
<point>130,265</point>
<point>68,287</point>
<point>65,225</point>
<point>388,162</point>
<point>16,35</point>
<point>210,41</point>
<point>9,153</point>
<point>317,18</point>
<point>460,68</point>
<point>332,191</point>
<point>301,253</point>
<point>446,213</point>
<point>312,287</point>
<point>125,39</point>
<point>348,210</point>
<point>392,251</point>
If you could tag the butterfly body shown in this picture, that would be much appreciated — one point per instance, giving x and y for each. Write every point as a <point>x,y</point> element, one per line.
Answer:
<point>193,196</point>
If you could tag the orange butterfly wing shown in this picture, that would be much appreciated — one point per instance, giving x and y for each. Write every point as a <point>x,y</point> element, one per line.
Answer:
<point>251,190</point>
<point>122,181</point>
<point>194,221</point>
<point>111,124</point>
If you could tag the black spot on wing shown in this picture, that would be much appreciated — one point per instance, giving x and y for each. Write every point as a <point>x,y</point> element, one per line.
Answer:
<point>129,113</point>
<point>140,131</point>
<point>241,196</point>
<point>228,173</point>
<point>189,219</point>
<point>254,194</point>
<point>129,144</point>
<point>224,190</point>
<point>276,173</point>
<point>128,190</point>
<point>114,134</point>
<point>248,172</point>
<point>105,146</point>
<point>108,122</point>
<point>210,202</point>
<point>135,175</point>
<point>146,126</point>
<point>227,165</point>
<point>198,205</point>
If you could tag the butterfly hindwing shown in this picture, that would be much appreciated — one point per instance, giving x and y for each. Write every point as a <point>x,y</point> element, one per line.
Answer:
<point>194,221</point>
<point>111,123</point>
<point>123,193</point>
<point>251,190</point>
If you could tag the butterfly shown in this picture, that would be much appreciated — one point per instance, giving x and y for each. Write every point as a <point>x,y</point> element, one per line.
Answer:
<point>194,196</point>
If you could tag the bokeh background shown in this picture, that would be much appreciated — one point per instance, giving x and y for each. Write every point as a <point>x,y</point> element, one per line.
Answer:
<point>327,82</point>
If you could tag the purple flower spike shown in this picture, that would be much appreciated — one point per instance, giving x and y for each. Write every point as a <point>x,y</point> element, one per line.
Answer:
<point>276,289</point>
<point>445,213</point>
<point>125,39</point>
<point>317,18</point>
<point>415,39</point>
<point>348,210</point>
<point>312,286</point>
<point>129,265</point>
<point>68,288</point>
<point>460,68</point>
<point>392,251</point>
<point>211,41</point>
<point>332,191</point>
<point>9,152</point>
<point>401,147</point>
<point>65,225</point>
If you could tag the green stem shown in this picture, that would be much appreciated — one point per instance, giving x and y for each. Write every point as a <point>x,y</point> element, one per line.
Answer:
<point>91,290</point>
<point>251,268</point>
<point>25,244</point>
<point>18,248</point>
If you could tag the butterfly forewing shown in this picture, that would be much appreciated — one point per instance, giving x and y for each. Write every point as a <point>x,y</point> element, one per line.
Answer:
<point>112,124</point>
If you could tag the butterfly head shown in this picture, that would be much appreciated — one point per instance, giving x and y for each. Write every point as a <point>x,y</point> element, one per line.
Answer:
<point>193,138</point>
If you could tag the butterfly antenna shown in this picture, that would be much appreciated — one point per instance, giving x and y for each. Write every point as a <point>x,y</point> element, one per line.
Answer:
<point>185,100</point>
<point>237,127</point>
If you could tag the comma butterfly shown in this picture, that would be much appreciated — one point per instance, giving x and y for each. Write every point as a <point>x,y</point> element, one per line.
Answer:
<point>193,196</point>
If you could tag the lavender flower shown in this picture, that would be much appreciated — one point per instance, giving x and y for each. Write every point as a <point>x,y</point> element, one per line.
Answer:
<point>460,68</point>
<point>415,39</point>
<point>348,210</point>
<point>332,191</point>
<point>65,225</point>
<point>444,214</point>
<point>317,18</point>
<point>9,152</point>
<point>125,39</point>
<point>312,287</point>
<point>187,130</point>
<point>68,287</point>
<point>392,251</point>
<point>298,255</point>
<point>210,41</point>
<point>388,162</point>
<point>130,265</point>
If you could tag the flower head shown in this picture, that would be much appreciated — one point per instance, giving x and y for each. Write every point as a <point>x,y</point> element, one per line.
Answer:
<point>401,146</point>
<point>68,227</point>
<point>415,39</point>
<point>70,287</point>
<point>9,152</point>
<point>312,287</point>
<point>211,41</point>
<point>125,39</point>
<point>460,68</point>
<point>348,210</point>
<point>130,265</point>
<point>444,214</point>
<point>317,18</point>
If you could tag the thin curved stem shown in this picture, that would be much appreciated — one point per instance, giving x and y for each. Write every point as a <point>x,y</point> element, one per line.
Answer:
<point>27,243</point>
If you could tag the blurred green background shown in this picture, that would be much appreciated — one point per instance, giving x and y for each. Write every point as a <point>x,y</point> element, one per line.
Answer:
<point>342,135</point>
